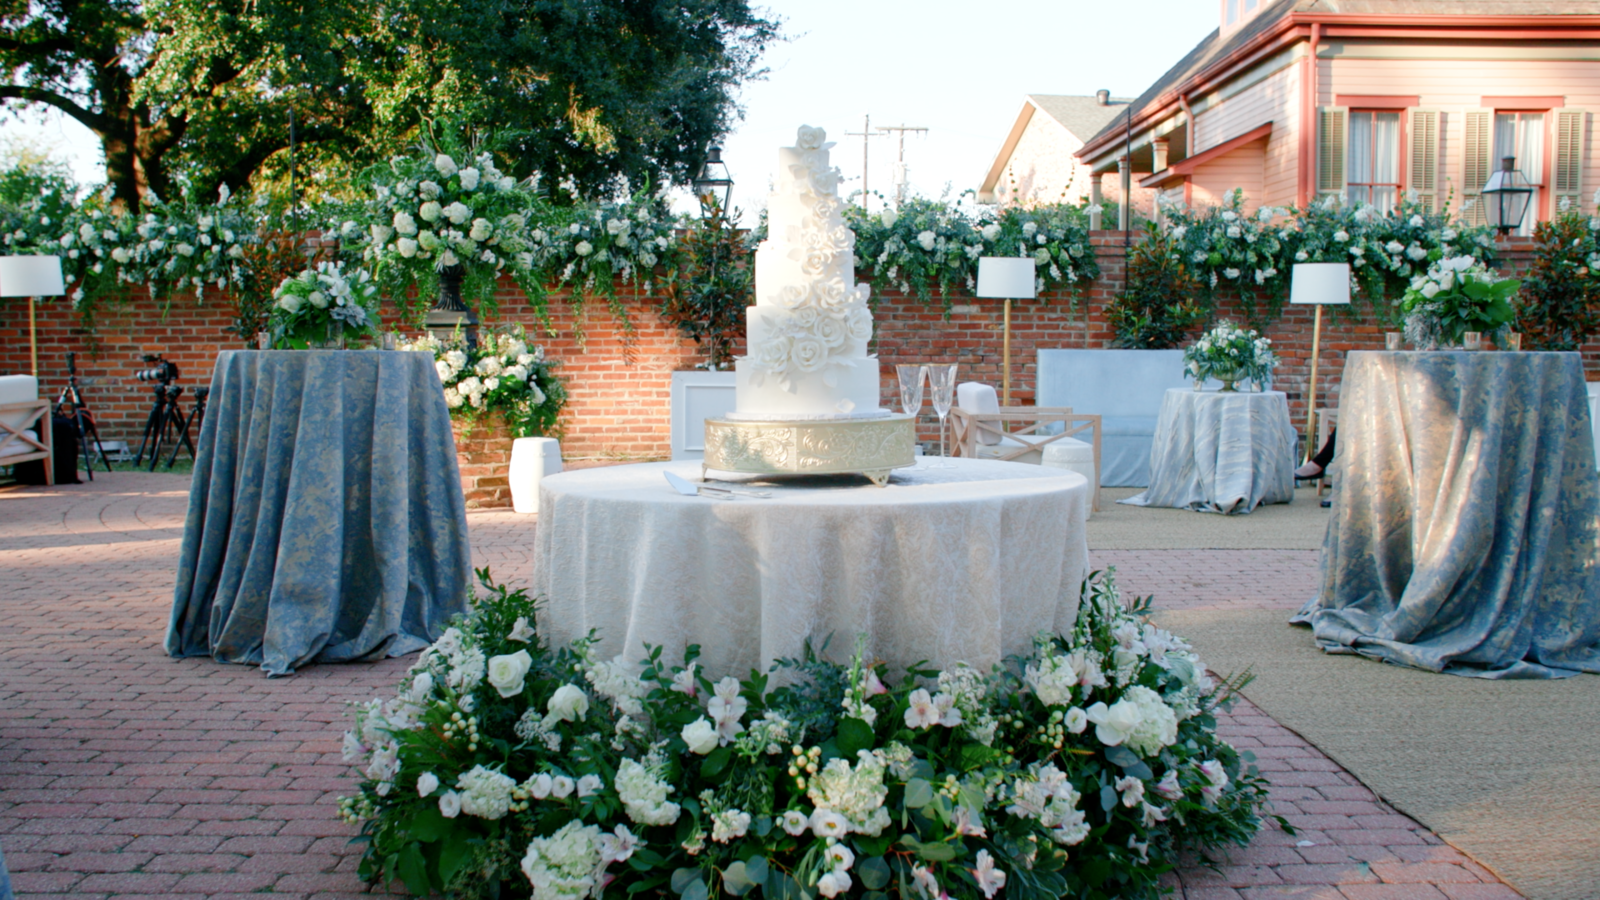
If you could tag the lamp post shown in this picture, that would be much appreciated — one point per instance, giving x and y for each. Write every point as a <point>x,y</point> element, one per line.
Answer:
<point>1008,278</point>
<point>1319,285</point>
<point>31,277</point>
<point>1506,196</point>
<point>713,187</point>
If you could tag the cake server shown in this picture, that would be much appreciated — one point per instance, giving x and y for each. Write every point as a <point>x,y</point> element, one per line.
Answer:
<point>689,489</point>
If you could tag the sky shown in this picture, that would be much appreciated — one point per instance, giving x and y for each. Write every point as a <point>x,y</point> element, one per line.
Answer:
<point>958,69</point>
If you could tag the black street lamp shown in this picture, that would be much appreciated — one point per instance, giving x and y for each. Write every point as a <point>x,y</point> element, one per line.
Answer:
<point>1506,195</point>
<point>714,186</point>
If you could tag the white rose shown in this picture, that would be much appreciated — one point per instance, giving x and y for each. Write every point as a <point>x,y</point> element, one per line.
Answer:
<point>888,217</point>
<point>404,224</point>
<point>991,231</point>
<point>445,165</point>
<point>450,804</point>
<point>427,783</point>
<point>507,673</point>
<point>583,248</point>
<point>289,304</point>
<point>318,299</point>
<point>809,138</point>
<point>431,211</point>
<point>121,255</point>
<point>927,239</point>
<point>568,703</point>
<point>1114,724</point>
<point>561,787</point>
<point>407,247</point>
<point>701,736</point>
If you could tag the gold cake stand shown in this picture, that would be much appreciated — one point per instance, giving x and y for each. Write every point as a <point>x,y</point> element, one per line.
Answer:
<point>871,447</point>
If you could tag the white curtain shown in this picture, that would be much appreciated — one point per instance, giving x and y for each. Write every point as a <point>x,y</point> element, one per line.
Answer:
<point>1373,159</point>
<point>1521,135</point>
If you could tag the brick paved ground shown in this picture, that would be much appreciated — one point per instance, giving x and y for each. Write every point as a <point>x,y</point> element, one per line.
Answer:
<point>125,773</point>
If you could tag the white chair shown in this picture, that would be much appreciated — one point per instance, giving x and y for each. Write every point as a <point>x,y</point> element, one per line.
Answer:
<point>982,429</point>
<point>25,424</point>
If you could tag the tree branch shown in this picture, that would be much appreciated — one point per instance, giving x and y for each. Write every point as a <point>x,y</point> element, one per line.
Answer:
<point>93,121</point>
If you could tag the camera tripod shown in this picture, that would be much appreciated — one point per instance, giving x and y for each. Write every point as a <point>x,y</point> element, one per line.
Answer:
<point>165,423</point>
<point>70,405</point>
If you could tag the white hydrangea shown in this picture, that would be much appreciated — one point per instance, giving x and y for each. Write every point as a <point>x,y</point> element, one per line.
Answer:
<point>644,795</point>
<point>485,793</point>
<point>729,825</point>
<point>966,685</point>
<point>1157,726</point>
<point>567,865</point>
<point>618,681</point>
<point>854,792</point>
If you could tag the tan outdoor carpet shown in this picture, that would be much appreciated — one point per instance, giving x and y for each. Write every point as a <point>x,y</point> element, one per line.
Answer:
<point>1279,526</point>
<point>1506,771</point>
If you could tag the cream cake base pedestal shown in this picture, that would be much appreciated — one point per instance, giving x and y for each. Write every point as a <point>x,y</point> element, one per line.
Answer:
<point>871,447</point>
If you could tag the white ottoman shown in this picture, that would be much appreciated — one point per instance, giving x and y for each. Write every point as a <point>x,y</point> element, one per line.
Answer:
<point>531,460</point>
<point>1076,456</point>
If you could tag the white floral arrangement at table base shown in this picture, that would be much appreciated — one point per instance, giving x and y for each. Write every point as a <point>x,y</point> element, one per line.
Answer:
<point>1457,295</point>
<point>1230,354</point>
<point>503,374</point>
<point>505,767</point>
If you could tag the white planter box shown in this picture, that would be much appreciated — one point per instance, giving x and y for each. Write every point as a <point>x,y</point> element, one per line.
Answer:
<point>696,397</point>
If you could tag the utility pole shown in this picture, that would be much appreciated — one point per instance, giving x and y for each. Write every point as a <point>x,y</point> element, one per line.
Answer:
<point>866,133</point>
<point>900,166</point>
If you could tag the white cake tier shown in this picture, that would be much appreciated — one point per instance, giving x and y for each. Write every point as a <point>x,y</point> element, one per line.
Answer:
<point>760,323</point>
<point>775,269</point>
<point>807,395</point>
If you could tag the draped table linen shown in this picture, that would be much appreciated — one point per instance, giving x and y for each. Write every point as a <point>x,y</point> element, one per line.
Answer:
<point>1221,451</point>
<point>326,521</point>
<point>965,563</point>
<point>1463,537</point>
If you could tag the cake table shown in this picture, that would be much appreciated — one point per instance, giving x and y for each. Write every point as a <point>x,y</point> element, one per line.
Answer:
<point>943,565</point>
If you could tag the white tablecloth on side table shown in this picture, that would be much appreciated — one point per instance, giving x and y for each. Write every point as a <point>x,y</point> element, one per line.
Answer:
<point>944,565</point>
<point>1221,451</point>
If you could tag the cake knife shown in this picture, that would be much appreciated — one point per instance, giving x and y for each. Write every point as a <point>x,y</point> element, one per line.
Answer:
<point>689,489</point>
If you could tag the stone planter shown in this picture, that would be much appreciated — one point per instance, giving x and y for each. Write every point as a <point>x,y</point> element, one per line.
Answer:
<point>483,453</point>
<point>698,395</point>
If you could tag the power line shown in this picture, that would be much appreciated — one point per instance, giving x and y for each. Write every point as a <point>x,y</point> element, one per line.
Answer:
<point>900,166</point>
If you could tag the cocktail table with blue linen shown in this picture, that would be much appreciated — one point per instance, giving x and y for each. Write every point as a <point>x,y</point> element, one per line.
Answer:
<point>326,520</point>
<point>1221,451</point>
<point>1463,537</point>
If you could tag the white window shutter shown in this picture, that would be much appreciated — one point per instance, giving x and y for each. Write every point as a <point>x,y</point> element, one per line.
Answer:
<point>1477,146</point>
<point>1567,180</point>
<point>1423,176</point>
<point>1332,129</point>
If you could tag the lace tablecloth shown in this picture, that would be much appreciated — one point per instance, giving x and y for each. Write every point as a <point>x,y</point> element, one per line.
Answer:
<point>326,519</point>
<point>943,565</point>
<point>1216,451</point>
<point>1463,537</point>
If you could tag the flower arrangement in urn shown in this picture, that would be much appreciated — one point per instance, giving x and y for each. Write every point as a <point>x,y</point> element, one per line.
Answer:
<point>506,767</point>
<point>1457,295</point>
<point>1230,354</point>
<point>502,375</point>
<point>324,304</point>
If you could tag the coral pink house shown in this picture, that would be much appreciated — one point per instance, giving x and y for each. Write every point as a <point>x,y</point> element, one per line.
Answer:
<point>1369,100</point>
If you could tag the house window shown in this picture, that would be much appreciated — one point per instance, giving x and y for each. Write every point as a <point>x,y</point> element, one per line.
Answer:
<point>1521,135</point>
<point>1373,159</point>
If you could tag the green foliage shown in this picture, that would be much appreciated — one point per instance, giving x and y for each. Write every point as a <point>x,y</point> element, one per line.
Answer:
<point>1079,770</point>
<point>1160,304</point>
<point>711,286</point>
<point>502,375</point>
<point>1559,306</point>
<point>187,95</point>
<point>1456,295</point>
<point>323,303</point>
<point>928,244</point>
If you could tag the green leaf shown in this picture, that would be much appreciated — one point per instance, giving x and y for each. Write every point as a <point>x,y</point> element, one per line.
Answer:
<point>874,873</point>
<point>413,870</point>
<point>715,762</point>
<point>429,825</point>
<point>1108,798</point>
<point>783,887</point>
<point>874,895</point>
<point>1139,770</point>
<point>682,878</point>
<point>854,735</point>
<point>455,853</point>
<point>736,880</point>
<point>697,891</point>
<point>919,793</point>
<point>756,869</point>
<point>1121,756</point>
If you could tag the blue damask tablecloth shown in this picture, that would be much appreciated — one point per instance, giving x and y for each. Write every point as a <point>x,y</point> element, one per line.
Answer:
<point>1463,537</point>
<point>326,520</point>
<point>1220,451</point>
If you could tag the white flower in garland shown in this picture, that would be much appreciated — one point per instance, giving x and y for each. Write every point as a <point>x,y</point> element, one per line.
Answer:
<point>485,793</point>
<point>855,793</point>
<point>644,795</point>
<point>567,865</point>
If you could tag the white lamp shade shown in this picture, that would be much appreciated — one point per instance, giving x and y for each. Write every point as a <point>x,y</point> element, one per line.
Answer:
<point>1005,277</point>
<point>31,276</point>
<point>1320,284</point>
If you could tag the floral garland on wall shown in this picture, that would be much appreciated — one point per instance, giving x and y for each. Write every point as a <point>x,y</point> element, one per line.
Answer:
<point>505,767</point>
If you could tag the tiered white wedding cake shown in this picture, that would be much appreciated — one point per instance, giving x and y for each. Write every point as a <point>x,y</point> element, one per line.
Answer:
<point>807,395</point>
<point>809,329</point>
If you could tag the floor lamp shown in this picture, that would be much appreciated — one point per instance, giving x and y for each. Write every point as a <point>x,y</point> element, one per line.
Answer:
<point>1319,285</point>
<point>31,277</point>
<point>1009,279</point>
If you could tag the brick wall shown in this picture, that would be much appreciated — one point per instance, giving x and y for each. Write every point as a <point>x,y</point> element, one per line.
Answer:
<point>620,382</point>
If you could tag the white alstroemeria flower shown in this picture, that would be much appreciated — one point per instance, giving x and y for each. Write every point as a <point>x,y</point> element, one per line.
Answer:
<point>1131,789</point>
<point>589,785</point>
<point>920,711</point>
<point>990,879</point>
<point>521,631</point>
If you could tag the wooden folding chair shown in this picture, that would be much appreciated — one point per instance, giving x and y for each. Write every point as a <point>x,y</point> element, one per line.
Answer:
<point>1011,445</point>
<point>16,446</point>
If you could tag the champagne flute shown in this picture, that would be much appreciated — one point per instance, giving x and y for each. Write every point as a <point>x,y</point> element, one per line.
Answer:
<point>942,381</point>
<point>911,377</point>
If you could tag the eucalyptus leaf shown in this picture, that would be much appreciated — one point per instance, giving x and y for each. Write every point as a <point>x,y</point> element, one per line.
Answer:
<point>1108,798</point>
<point>756,869</point>
<point>1121,756</point>
<point>697,891</point>
<point>736,880</point>
<point>682,878</point>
